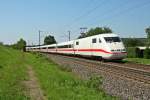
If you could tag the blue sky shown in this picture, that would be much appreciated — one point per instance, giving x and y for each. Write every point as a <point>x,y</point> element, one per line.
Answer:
<point>23,18</point>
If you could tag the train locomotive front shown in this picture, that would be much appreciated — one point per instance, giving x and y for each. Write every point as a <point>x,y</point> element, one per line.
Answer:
<point>114,47</point>
<point>103,46</point>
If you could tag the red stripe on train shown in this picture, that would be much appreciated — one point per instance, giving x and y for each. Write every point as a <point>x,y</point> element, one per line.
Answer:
<point>91,50</point>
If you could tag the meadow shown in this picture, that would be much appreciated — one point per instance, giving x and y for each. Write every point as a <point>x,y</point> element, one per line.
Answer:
<point>56,84</point>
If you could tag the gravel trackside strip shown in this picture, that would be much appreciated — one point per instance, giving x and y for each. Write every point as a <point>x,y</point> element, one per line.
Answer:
<point>124,88</point>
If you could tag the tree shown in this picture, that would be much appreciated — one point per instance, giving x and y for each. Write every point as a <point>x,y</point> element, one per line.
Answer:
<point>1,43</point>
<point>133,42</point>
<point>96,31</point>
<point>49,40</point>
<point>107,30</point>
<point>83,35</point>
<point>147,30</point>
<point>147,51</point>
<point>19,45</point>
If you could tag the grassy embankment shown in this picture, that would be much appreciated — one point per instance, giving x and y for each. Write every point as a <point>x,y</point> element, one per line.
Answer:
<point>138,60</point>
<point>12,73</point>
<point>61,85</point>
<point>56,84</point>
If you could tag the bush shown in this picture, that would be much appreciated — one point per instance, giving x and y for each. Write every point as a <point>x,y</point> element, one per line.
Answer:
<point>131,52</point>
<point>147,53</point>
<point>95,82</point>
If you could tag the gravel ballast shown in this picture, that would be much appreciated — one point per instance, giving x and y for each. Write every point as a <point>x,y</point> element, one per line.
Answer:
<point>126,89</point>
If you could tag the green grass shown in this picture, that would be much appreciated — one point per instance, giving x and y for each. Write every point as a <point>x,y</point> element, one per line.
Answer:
<point>56,83</point>
<point>60,85</point>
<point>12,73</point>
<point>138,60</point>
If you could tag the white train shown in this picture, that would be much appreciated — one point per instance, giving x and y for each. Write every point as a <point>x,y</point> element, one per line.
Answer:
<point>103,46</point>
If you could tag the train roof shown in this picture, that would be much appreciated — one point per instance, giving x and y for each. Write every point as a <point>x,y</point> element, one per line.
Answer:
<point>104,35</point>
<point>51,45</point>
<point>100,35</point>
<point>108,35</point>
<point>65,43</point>
<point>71,42</point>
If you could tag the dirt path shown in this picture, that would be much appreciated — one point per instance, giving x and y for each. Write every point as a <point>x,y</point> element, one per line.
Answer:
<point>33,87</point>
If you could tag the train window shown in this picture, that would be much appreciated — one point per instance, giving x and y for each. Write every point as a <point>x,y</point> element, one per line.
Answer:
<point>61,46</point>
<point>65,46</point>
<point>112,39</point>
<point>69,46</point>
<point>100,41</point>
<point>77,43</point>
<point>51,47</point>
<point>94,40</point>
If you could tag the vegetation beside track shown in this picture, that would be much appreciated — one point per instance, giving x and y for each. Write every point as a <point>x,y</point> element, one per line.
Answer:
<point>138,60</point>
<point>12,73</point>
<point>63,85</point>
<point>56,83</point>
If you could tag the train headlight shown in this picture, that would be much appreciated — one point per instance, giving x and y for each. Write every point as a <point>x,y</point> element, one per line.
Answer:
<point>123,50</point>
<point>112,50</point>
<point>118,50</point>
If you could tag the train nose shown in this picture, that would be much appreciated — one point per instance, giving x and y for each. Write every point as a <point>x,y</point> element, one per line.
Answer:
<point>118,50</point>
<point>118,55</point>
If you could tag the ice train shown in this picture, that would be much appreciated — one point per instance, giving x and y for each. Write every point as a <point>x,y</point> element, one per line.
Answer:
<point>102,46</point>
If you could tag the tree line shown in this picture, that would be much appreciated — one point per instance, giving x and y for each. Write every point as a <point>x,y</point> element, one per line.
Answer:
<point>129,42</point>
<point>95,31</point>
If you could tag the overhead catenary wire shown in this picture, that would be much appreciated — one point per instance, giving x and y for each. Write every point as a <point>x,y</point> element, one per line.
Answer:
<point>115,11</point>
<point>110,11</point>
<point>132,8</point>
<point>120,13</point>
<point>86,13</point>
<point>92,11</point>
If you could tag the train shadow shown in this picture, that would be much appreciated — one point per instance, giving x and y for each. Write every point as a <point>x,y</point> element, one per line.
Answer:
<point>117,61</point>
<point>92,58</point>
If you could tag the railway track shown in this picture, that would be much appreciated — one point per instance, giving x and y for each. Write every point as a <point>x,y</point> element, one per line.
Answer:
<point>120,72</point>
<point>124,71</point>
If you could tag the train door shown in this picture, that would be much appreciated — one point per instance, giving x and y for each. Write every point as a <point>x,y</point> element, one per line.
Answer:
<point>76,47</point>
<point>56,48</point>
<point>46,49</point>
<point>73,46</point>
<point>93,46</point>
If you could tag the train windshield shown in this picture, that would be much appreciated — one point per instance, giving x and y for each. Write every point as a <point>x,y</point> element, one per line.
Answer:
<point>112,39</point>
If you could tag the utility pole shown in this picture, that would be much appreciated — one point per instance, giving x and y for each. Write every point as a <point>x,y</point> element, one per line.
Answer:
<point>28,43</point>
<point>83,30</point>
<point>69,35</point>
<point>39,39</point>
<point>32,44</point>
<point>40,36</point>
